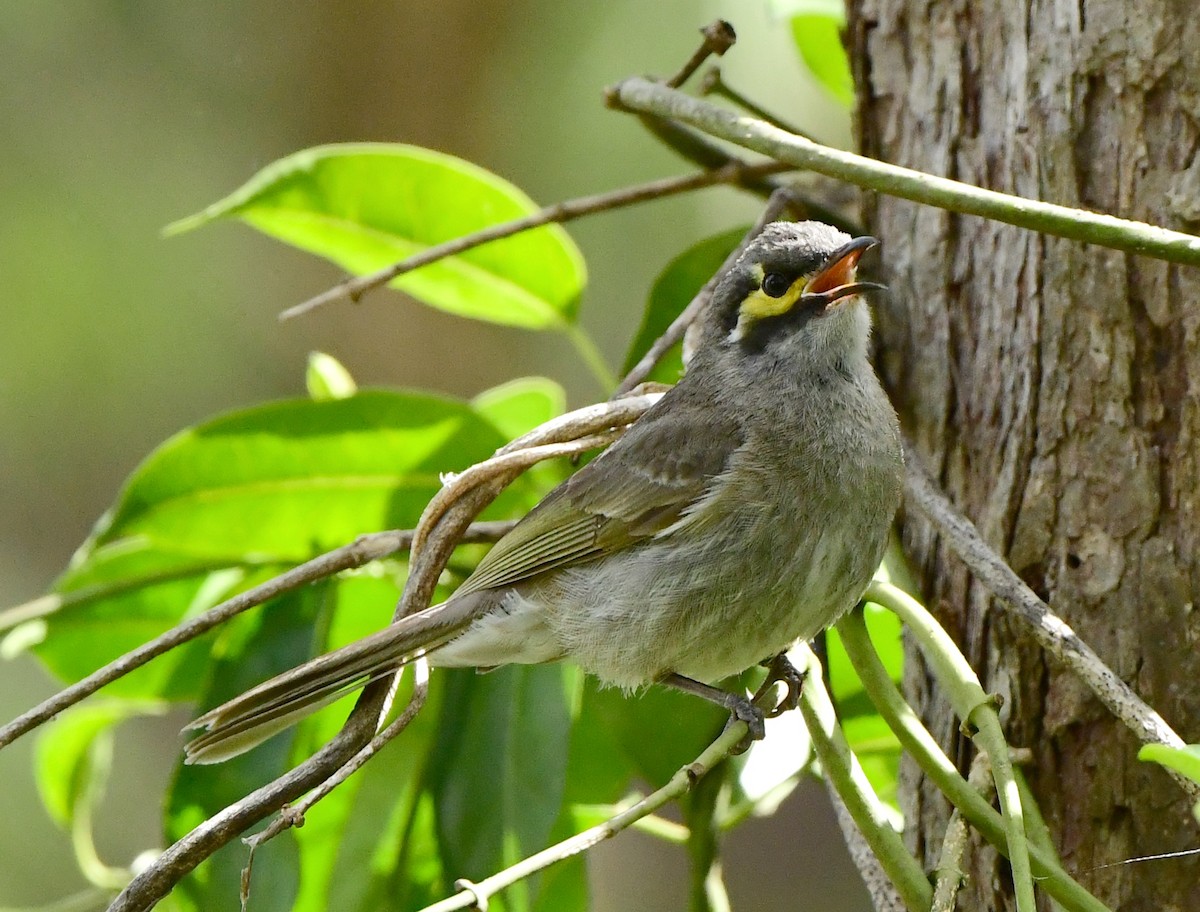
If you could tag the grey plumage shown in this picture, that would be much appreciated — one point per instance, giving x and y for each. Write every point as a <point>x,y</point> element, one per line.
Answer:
<point>746,510</point>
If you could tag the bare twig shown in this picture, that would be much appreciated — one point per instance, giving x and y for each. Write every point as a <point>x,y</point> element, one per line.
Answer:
<point>713,84</point>
<point>477,894</point>
<point>1054,634</point>
<point>362,550</point>
<point>700,150</point>
<point>846,776</point>
<point>501,465</point>
<point>779,201</point>
<point>644,96</point>
<point>356,288</point>
<point>719,37</point>
<point>884,896</point>
<point>949,869</point>
<point>294,814</point>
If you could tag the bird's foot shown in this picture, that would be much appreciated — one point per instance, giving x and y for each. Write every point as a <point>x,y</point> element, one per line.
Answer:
<point>741,708</point>
<point>781,670</point>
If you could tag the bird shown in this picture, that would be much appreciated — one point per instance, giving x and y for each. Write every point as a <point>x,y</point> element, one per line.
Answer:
<point>746,510</point>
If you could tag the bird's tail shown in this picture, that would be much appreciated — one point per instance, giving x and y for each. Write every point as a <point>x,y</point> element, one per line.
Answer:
<point>249,719</point>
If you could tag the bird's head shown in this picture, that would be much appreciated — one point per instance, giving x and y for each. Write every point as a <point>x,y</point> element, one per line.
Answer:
<point>793,294</point>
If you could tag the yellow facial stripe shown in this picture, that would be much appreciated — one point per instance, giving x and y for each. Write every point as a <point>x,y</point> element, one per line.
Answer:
<point>759,305</point>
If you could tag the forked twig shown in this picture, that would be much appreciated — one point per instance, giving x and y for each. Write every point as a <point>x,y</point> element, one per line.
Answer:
<point>1051,631</point>
<point>361,551</point>
<point>152,884</point>
<point>643,96</point>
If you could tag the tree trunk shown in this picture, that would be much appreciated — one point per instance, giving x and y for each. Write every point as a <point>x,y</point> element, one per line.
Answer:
<point>1051,388</point>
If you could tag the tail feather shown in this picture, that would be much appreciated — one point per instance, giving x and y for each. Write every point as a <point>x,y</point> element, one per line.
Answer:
<point>251,718</point>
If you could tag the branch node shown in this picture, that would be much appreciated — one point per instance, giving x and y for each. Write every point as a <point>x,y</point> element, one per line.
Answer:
<point>479,899</point>
<point>719,37</point>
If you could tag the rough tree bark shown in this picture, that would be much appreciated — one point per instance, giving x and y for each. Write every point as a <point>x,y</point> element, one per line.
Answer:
<point>1052,387</point>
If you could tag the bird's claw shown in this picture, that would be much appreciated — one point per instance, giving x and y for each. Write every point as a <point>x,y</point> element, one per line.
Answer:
<point>742,709</point>
<point>781,670</point>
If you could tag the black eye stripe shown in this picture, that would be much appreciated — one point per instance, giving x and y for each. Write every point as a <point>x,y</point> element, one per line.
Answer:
<point>775,284</point>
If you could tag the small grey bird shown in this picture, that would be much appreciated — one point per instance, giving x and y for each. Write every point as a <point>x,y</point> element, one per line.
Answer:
<point>746,510</point>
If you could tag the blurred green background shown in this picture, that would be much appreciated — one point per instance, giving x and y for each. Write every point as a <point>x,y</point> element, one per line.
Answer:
<point>118,117</point>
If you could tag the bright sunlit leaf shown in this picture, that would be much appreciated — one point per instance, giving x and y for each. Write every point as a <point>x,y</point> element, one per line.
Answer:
<point>367,205</point>
<point>327,378</point>
<point>521,405</point>
<point>253,491</point>
<point>817,31</point>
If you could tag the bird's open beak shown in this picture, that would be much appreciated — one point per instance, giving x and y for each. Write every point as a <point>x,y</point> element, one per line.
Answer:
<point>835,281</point>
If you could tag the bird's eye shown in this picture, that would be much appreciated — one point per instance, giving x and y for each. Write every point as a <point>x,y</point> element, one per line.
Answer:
<point>775,284</point>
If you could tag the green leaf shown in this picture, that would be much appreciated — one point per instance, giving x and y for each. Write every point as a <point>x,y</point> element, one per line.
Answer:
<point>1184,760</point>
<point>284,481</point>
<point>327,378</point>
<point>818,38</point>
<point>657,731</point>
<point>73,754</point>
<point>521,405</point>
<point>498,773</point>
<point>277,637</point>
<point>131,593</point>
<point>367,205</point>
<point>253,491</point>
<point>673,290</point>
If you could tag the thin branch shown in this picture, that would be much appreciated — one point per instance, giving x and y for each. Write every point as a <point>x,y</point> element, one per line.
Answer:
<point>700,150</point>
<point>643,96</point>
<point>949,868</point>
<point>778,202</point>
<point>502,465</point>
<point>719,37</point>
<point>356,288</point>
<point>884,897</point>
<point>1054,634</point>
<point>361,551</point>
<point>476,894</point>
<point>923,748</point>
<point>294,814</point>
<point>425,565</point>
<point>178,860</point>
<point>713,84</point>
<point>977,711</point>
<point>842,769</point>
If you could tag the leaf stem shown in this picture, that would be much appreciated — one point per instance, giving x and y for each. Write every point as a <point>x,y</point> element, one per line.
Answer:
<point>643,96</point>
<point>592,357</point>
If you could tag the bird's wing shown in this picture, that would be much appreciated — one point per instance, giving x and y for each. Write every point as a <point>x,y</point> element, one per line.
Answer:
<point>637,488</point>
